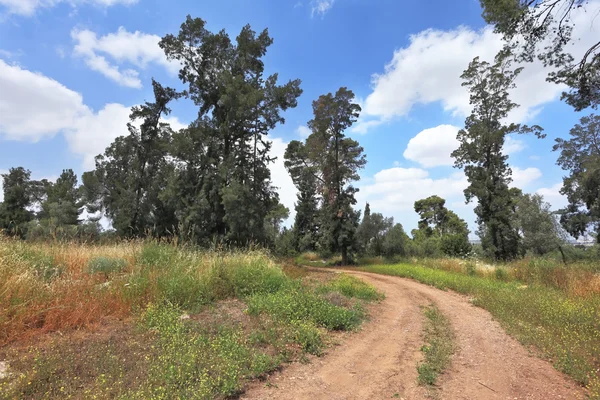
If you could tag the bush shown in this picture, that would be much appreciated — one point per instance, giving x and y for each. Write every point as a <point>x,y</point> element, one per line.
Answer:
<point>106,265</point>
<point>298,304</point>
<point>455,245</point>
<point>352,287</point>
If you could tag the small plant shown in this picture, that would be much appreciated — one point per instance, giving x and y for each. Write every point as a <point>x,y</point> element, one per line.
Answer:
<point>352,287</point>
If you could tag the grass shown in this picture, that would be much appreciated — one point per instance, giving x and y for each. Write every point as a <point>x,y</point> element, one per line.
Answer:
<point>438,348</point>
<point>564,326</point>
<point>135,320</point>
<point>352,287</point>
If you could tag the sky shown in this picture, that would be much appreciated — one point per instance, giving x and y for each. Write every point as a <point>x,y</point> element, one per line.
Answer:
<point>70,71</point>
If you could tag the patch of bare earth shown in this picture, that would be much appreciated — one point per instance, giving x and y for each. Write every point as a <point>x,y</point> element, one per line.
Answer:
<point>380,361</point>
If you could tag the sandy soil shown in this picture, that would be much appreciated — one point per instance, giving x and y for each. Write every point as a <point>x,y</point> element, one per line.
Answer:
<point>380,360</point>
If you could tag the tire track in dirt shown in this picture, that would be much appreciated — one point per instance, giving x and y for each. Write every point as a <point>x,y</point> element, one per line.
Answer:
<point>380,361</point>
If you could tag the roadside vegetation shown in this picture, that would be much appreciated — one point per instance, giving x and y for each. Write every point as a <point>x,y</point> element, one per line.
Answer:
<point>150,320</point>
<point>438,349</point>
<point>556,316</point>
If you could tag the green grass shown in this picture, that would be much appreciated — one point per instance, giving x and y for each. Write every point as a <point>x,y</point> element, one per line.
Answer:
<point>565,328</point>
<point>438,348</point>
<point>352,287</point>
<point>274,318</point>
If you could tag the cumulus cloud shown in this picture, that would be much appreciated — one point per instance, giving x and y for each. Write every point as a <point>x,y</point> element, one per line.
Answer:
<point>320,7</point>
<point>428,71</point>
<point>135,49</point>
<point>34,106</point>
<point>523,178</point>
<point>28,8</point>
<point>58,109</point>
<point>432,147</point>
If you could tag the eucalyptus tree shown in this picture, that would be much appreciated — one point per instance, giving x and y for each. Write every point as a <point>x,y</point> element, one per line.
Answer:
<point>480,153</point>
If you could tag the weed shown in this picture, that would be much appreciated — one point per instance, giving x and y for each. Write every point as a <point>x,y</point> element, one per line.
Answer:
<point>106,265</point>
<point>439,346</point>
<point>352,287</point>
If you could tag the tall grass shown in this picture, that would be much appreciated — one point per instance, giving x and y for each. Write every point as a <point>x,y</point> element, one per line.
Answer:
<point>51,287</point>
<point>565,327</point>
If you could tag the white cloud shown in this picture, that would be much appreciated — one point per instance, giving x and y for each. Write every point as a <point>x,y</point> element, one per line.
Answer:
<point>522,178</point>
<point>282,179</point>
<point>28,7</point>
<point>134,48</point>
<point>303,131</point>
<point>552,195</point>
<point>35,106</point>
<point>40,107</point>
<point>432,147</point>
<point>512,145</point>
<point>428,71</point>
<point>320,7</point>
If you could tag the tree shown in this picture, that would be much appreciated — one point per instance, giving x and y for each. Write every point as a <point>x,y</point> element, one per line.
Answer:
<point>334,161</point>
<point>63,204</point>
<point>580,155</point>
<point>395,241</point>
<point>15,210</point>
<point>222,187</point>
<point>542,29</point>
<point>437,221</point>
<point>538,225</point>
<point>133,172</point>
<point>371,232</point>
<point>480,153</point>
<point>306,223</point>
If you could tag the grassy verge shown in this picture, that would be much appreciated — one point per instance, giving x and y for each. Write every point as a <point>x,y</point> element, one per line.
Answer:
<point>189,324</point>
<point>438,348</point>
<point>564,327</point>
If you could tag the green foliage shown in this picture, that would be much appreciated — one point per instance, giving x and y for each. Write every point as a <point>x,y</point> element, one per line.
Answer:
<point>580,156</point>
<point>538,225</point>
<point>480,153</point>
<point>395,242</point>
<point>352,287</point>
<point>543,29</point>
<point>18,197</point>
<point>298,304</point>
<point>372,231</point>
<point>333,160</point>
<point>106,265</point>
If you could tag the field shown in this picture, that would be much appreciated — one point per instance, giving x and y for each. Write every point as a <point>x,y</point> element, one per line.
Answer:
<point>151,320</point>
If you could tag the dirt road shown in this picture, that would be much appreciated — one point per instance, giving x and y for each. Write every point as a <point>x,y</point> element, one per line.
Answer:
<point>380,361</point>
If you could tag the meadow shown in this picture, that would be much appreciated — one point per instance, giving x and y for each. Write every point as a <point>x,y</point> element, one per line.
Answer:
<point>151,320</point>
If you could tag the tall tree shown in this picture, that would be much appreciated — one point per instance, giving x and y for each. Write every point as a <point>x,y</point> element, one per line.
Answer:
<point>334,160</point>
<point>306,222</point>
<point>223,187</point>
<point>538,225</point>
<point>543,29</point>
<point>372,230</point>
<point>63,204</point>
<point>580,156</point>
<point>437,221</point>
<point>480,153</point>
<point>133,172</point>
<point>15,210</point>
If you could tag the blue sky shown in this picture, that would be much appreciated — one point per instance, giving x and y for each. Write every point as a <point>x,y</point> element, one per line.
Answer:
<point>71,69</point>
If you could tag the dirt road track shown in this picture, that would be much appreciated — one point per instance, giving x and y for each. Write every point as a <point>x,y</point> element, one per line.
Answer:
<point>379,362</point>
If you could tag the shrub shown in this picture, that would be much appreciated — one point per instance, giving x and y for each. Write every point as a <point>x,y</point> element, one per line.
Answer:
<point>106,265</point>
